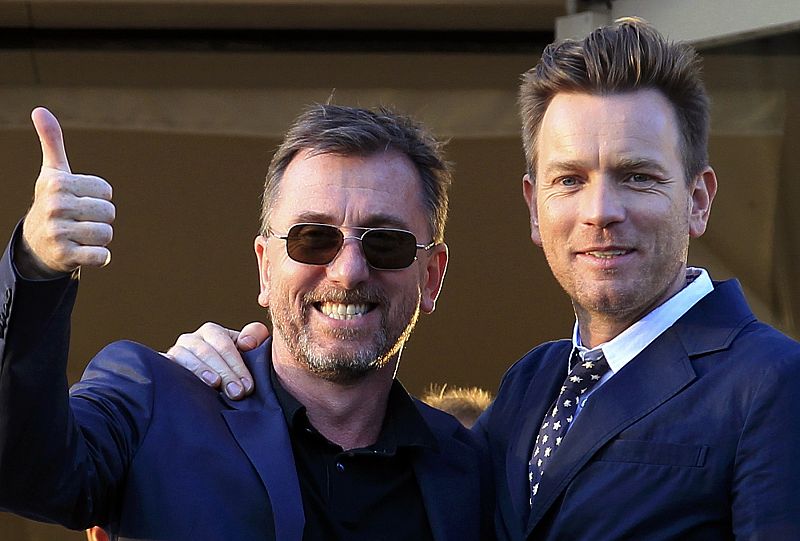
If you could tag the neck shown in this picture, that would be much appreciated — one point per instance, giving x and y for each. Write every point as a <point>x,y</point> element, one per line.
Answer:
<point>347,414</point>
<point>600,326</point>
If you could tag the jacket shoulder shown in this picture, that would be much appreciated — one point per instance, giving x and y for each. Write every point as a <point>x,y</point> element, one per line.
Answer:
<point>441,423</point>
<point>531,362</point>
<point>132,373</point>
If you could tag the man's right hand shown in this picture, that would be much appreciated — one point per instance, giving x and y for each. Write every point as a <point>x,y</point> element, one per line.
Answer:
<point>69,223</point>
<point>212,354</point>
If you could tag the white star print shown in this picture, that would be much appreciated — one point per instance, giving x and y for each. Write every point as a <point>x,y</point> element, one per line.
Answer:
<point>572,394</point>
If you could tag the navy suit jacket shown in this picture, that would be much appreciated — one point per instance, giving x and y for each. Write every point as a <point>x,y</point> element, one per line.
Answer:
<point>146,450</point>
<point>697,438</point>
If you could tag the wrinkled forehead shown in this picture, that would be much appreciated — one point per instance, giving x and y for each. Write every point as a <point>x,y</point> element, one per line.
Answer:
<point>625,126</point>
<point>380,189</point>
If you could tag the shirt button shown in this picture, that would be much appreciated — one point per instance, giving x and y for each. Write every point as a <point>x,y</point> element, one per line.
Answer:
<point>340,467</point>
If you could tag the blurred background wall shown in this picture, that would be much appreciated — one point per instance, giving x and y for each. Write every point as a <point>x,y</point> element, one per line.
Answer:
<point>180,103</point>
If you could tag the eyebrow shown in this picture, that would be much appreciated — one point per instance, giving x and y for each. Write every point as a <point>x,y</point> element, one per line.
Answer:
<point>621,164</point>
<point>374,220</point>
<point>563,165</point>
<point>627,164</point>
<point>313,218</point>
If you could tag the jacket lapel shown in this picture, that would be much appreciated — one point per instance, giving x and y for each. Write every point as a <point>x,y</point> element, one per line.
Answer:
<point>661,371</point>
<point>258,426</point>
<point>441,474</point>
<point>654,376</point>
<point>544,386</point>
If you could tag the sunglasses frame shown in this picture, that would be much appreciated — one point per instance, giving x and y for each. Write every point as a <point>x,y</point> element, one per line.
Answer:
<point>360,238</point>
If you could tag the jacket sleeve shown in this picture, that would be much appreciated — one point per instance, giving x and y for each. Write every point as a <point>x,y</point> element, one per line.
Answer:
<point>62,458</point>
<point>766,482</point>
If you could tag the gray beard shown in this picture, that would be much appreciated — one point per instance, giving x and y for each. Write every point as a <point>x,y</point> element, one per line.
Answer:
<point>346,367</point>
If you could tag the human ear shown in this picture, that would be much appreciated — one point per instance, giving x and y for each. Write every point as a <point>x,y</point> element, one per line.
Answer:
<point>529,193</point>
<point>433,277</point>
<point>260,246</point>
<point>702,195</point>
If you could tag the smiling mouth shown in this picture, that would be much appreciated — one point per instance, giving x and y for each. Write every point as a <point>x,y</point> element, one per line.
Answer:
<point>607,254</point>
<point>335,310</point>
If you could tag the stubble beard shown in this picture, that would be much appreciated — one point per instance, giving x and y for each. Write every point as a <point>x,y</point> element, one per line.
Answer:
<point>638,296</point>
<point>346,365</point>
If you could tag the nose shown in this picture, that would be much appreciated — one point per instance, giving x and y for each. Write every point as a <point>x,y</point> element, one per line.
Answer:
<point>349,268</point>
<point>602,203</point>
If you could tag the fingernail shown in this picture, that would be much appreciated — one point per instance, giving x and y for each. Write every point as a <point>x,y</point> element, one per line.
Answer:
<point>248,341</point>
<point>233,389</point>
<point>209,377</point>
<point>248,385</point>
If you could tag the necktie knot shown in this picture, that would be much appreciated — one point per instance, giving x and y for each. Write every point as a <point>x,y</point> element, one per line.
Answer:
<point>584,374</point>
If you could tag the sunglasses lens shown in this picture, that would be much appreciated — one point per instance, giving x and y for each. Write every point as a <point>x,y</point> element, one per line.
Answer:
<point>313,244</point>
<point>389,248</point>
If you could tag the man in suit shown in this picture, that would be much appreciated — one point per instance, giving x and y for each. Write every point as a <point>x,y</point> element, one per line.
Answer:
<point>672,412</point>
<point>329,446</point>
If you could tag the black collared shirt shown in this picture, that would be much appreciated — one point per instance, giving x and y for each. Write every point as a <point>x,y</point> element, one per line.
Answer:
<point>370,493</point>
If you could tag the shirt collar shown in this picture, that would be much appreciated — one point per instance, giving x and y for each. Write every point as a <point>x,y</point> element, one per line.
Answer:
<point>628,344</point>
<point>403,425</point>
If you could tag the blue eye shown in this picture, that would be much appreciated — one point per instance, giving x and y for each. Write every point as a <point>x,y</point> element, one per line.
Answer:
<point>569,181</point>
<point>642,180</point>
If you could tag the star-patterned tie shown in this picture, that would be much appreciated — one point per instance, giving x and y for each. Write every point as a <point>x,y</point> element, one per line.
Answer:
<point>584,374</point>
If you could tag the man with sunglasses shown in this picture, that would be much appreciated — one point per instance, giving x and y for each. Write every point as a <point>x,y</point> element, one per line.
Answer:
<point>672,411</point>
<point>329,446</point>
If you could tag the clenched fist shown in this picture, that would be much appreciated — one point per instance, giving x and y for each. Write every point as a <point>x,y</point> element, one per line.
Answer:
<point>69,223</point>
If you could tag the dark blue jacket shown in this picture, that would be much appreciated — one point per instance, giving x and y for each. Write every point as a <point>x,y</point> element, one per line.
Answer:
<point>697,438</point>
<point>144,448</point>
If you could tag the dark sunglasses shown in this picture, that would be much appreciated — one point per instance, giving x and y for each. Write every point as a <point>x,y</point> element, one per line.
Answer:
<point>384,248</point>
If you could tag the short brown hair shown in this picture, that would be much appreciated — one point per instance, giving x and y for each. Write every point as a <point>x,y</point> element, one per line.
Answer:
<point>352,131</point>
<point>623,57</point>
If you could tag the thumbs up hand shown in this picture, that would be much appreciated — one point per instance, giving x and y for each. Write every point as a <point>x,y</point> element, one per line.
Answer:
<point>69,223</point>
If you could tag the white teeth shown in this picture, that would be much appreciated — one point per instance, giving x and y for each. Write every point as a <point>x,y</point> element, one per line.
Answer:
<point>343,311</point>
<point>608,254</point>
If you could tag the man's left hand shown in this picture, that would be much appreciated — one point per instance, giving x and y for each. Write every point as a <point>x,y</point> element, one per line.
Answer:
<point>212,353</point>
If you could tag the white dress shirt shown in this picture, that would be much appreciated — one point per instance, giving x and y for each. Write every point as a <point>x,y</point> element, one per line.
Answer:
<point>620,350</point>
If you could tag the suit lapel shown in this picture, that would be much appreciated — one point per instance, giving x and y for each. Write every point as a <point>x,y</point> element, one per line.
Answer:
<point>654,376</point>
<point>451,511</point>
<point>657,374</point>
<point>258,426</point>
<point>540,393</point>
